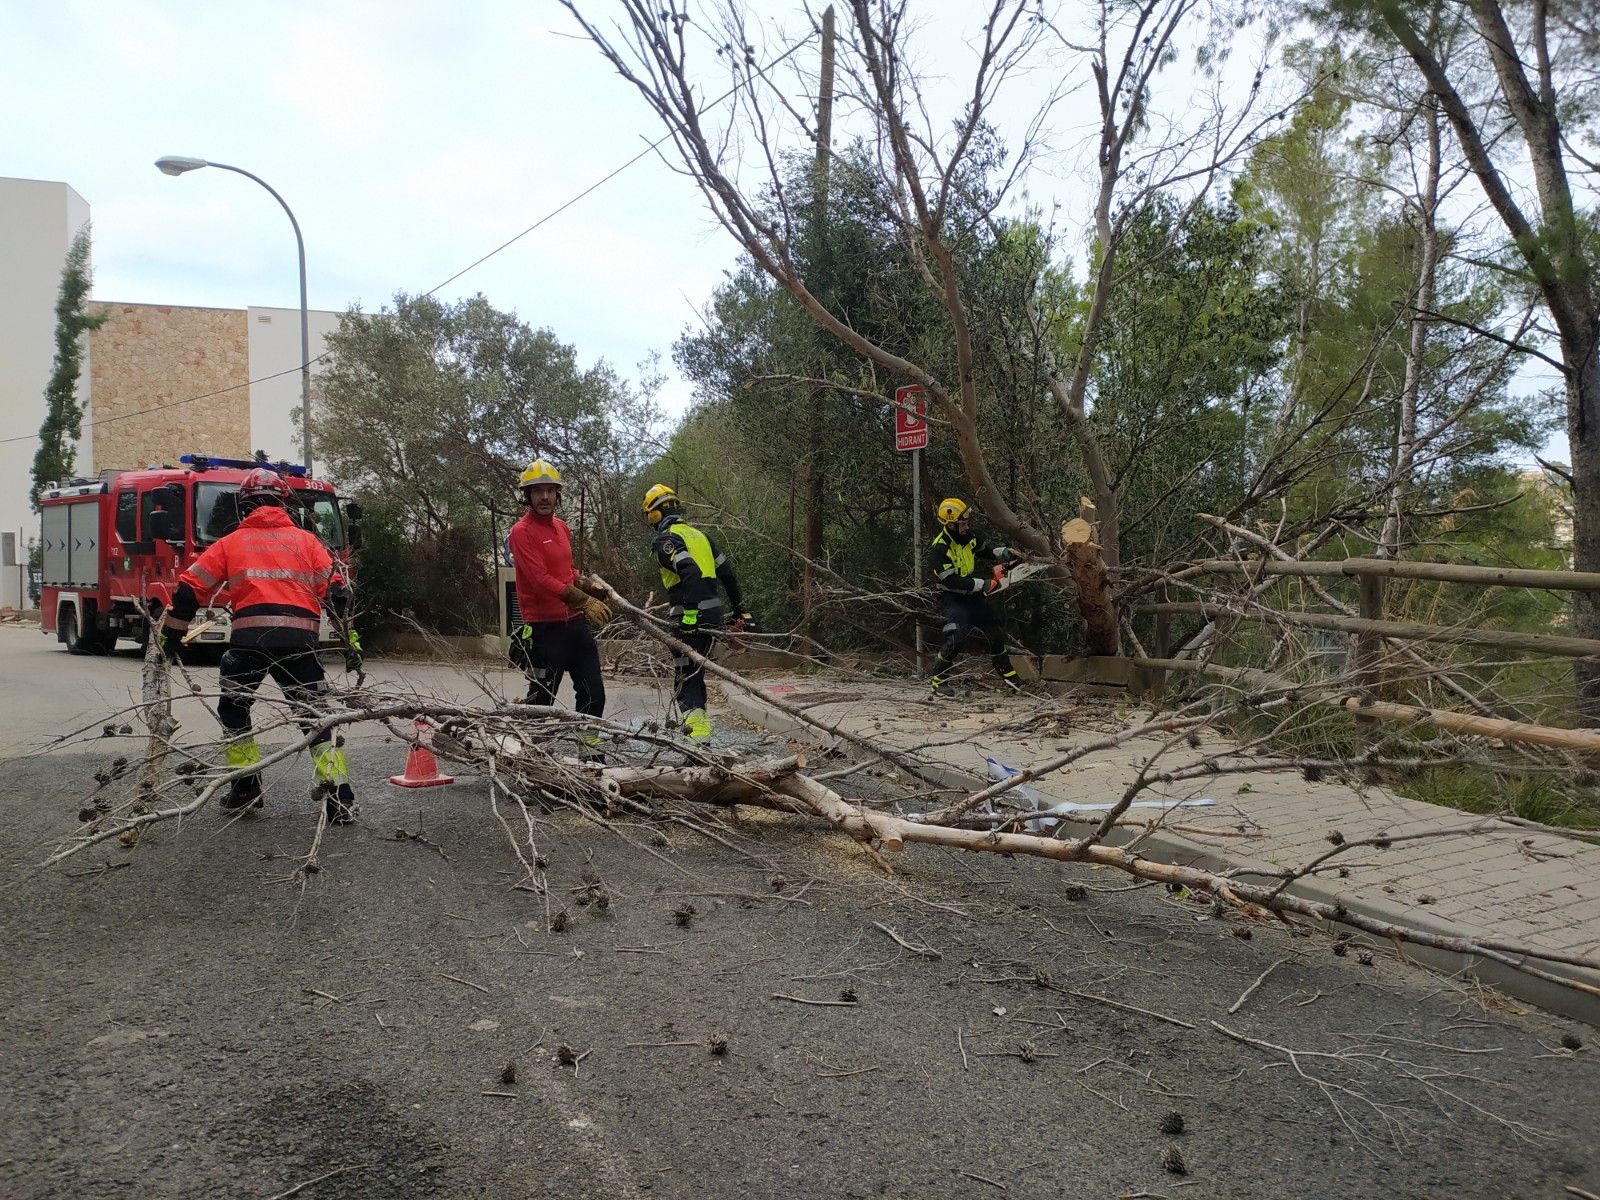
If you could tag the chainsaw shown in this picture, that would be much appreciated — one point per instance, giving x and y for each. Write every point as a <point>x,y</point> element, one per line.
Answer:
<point>1004,578</point>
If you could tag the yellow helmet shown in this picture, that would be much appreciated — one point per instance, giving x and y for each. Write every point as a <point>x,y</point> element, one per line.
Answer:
<point>951,510</point>
<point>659,498</point>
<point>539,471</point>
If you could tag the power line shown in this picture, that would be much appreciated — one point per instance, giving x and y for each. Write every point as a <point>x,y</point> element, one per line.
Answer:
<point>505,245</point>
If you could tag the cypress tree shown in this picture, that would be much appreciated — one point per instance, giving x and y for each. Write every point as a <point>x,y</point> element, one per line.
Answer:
<point>63,417</point>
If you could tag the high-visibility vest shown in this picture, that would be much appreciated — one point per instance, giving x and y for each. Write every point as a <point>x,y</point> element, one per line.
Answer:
<point>699,547</point>
<point>271,573</point>
<point>963,556</point>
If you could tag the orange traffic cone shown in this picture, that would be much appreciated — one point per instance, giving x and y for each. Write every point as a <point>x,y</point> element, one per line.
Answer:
<point>422,769</point>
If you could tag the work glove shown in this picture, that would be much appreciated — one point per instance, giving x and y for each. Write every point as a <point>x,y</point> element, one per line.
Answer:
<point>171,641</point>
<point>352,652</point>
<point>520,651</point>
<point>589,584</point>
<point>596,612</point>
<point>995,577</point>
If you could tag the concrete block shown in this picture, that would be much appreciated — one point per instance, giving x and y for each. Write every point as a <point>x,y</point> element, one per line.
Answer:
<point>1027,670</point>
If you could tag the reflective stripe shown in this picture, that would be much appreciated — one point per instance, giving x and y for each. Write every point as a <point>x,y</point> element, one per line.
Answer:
<point>177,624</point>
<point>314,624</point>
<point>328,764</point>
<point>310,580</point>
<point>204,578</point>
<point>243,752</point>
<point>963,556</point>
<point>699,551</point>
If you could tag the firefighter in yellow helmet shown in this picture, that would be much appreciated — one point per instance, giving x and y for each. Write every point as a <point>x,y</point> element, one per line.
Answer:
<point>968,569</point>
<point>558,605</point>
<point>692,564</point>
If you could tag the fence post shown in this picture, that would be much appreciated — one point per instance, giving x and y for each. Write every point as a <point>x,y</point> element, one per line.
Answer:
<point>1366,660</point>
<point>1163,648</point>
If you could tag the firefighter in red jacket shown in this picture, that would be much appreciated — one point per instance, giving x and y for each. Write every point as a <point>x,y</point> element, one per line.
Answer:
<point>557,604</point>
<point>275,577</point>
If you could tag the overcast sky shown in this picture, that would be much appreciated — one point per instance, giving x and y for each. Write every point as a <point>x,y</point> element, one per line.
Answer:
<point>409,138</point>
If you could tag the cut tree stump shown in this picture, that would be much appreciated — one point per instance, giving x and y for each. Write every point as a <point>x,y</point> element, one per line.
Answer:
<point>1089,574</point>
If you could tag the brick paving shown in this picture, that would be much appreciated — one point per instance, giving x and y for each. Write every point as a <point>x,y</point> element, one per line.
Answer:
<point>1502,881</point>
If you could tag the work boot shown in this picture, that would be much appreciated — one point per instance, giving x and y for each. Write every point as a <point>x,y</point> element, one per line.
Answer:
<point>943,688</point>
<point>696,725</point>
<point>245,792</point>
<point>338,802</point>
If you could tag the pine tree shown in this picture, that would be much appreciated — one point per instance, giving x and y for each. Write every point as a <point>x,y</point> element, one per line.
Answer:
<point>63,417</point>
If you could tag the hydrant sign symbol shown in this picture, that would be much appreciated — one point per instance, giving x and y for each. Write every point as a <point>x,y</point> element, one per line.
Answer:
<point>910,430</point>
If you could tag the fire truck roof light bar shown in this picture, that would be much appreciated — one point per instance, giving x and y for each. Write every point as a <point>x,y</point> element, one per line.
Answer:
<point>203,462</point>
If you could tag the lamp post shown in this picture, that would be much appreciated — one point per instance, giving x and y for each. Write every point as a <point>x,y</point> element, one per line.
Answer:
<point>176,165</point>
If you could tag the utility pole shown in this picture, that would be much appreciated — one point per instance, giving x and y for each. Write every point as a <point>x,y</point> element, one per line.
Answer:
<point>820,286</point>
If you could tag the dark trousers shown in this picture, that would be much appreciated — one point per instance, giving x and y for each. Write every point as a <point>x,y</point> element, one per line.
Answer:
<point>689,677</point>
<point>964,616</point>
<point>296,669</point>
<point>558,649</point>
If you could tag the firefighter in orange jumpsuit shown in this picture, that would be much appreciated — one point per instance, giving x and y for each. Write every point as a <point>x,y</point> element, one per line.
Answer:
<point>275,577</point>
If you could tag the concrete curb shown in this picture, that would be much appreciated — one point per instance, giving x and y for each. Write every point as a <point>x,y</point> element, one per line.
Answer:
<point>1175,849</point>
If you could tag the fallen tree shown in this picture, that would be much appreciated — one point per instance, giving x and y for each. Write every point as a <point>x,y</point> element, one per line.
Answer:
<point>520,748</point>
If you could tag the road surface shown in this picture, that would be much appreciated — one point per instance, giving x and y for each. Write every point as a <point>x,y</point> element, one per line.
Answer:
<point>183,1020</point>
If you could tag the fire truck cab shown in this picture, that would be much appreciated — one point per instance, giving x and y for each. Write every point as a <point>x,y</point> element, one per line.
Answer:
<point>113,547</point>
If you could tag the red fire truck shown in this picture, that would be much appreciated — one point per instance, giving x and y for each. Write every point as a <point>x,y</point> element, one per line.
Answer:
<point>114,543</point>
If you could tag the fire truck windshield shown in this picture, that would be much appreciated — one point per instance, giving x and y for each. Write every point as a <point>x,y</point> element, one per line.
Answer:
<point>216,513</point>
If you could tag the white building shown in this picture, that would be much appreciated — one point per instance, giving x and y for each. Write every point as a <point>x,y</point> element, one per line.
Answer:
<point>37,223</point>
<point>140,369</point>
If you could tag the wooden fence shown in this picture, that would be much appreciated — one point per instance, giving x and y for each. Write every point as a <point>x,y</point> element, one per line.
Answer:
<point>1371,630</point>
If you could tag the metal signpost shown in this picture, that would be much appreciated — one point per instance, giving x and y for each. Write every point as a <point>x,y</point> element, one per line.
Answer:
<point>911,433</point>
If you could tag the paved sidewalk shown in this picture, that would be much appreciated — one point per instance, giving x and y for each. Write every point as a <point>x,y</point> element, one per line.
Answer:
<point>1509,883</point>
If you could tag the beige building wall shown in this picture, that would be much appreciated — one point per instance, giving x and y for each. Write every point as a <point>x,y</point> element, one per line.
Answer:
<point>145,357</point>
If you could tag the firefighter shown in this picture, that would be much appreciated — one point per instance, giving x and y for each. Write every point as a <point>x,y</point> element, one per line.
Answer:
<point>963,594</point>
<point>557,604</point>
<point>276,578</point>
<point>692,564</point>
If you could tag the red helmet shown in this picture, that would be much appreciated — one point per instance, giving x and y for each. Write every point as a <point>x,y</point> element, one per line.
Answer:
<point>262,486</point>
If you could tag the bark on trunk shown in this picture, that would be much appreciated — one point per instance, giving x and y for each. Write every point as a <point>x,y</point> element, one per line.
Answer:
<point>1405,447</point>
<point>1089,573</point>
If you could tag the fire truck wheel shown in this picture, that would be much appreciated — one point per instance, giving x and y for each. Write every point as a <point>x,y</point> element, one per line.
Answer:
<point>67,623</point>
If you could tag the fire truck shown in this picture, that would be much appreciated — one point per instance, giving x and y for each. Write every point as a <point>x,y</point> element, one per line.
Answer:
<point>113,547</point>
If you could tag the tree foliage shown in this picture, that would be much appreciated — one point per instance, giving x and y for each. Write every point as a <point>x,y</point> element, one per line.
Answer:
<point>429,410</point>
<point>56,457</point>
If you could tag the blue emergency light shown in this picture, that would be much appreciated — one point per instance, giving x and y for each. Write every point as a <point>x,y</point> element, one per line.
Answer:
<point>204,462</point>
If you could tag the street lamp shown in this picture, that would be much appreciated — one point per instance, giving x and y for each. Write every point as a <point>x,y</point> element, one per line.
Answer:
<point>174,164</point>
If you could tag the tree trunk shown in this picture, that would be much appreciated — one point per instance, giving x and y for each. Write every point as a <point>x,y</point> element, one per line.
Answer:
<point>1089,573</point>
<point>816,435</point>
<point>1390,540</point>
<point>1583,432</point>
<point>1553,248</point>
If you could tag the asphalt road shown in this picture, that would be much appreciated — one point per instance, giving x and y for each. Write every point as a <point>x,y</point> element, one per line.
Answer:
<point>194,1024</point>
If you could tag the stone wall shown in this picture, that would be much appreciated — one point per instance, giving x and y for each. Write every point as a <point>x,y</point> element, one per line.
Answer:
<point>148,355</point>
